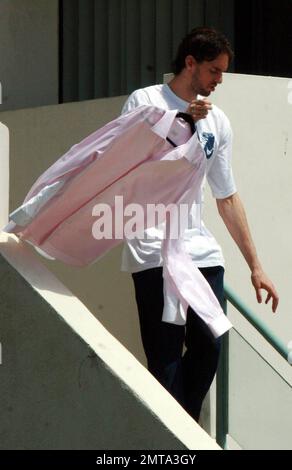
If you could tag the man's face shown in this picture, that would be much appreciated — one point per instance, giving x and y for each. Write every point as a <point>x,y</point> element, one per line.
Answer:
<point>206,75</point>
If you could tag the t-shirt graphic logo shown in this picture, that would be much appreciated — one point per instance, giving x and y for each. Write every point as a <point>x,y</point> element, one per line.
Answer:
<point>208,142</point>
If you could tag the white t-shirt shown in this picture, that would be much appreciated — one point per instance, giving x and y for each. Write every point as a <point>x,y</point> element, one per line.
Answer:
<point>216,135</point>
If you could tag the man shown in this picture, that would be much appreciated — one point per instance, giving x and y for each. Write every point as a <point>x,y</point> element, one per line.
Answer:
<point>202,58</point>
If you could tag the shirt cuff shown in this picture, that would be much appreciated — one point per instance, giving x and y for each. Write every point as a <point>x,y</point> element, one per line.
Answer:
<point>220,325</point>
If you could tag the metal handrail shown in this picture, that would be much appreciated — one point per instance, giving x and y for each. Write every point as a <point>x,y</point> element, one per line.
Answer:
<point>260,326</point>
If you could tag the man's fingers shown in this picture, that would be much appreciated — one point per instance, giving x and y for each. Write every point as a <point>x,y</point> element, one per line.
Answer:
<point>259,295</point>
<point>268,297</point>
<point>273,295</point>
<point>275,304</point>
<point>199,109</point>
<point>202,102</point>
<point>198,105</point>
<point>203,106</point>
<point>207,107</point>
<point>261,282</point>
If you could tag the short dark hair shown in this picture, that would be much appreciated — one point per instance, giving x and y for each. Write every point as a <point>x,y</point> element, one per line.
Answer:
<point>204,44</point>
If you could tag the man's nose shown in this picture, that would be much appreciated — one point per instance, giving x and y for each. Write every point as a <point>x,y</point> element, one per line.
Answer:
<point>220,79</point>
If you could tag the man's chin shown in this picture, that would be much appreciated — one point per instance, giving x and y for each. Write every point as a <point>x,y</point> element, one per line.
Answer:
<point>205,93</point>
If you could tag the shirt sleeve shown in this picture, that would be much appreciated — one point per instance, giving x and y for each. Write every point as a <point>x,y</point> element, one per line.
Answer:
<point>137,98</point>
<point>220,175</point>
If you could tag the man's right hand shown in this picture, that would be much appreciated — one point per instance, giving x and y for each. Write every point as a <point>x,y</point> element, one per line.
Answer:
<point>199,109</point>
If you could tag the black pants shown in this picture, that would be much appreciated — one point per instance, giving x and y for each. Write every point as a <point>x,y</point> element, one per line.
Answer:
<point>187,376</point>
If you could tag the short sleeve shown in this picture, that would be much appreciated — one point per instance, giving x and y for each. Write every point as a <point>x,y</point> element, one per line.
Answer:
<point>220,175</point>
<point>137,98</point>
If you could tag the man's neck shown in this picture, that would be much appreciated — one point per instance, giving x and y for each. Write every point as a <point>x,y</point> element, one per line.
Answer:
<point>182,88</point>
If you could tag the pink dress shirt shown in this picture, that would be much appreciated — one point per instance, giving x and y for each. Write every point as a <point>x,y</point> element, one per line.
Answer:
<point>128,157</point>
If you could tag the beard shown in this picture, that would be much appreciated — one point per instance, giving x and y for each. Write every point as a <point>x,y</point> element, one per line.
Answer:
<point>203,92</point>
<point>199,88</point>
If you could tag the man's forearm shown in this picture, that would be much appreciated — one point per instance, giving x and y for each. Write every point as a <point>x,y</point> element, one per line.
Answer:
<point>233,214</point>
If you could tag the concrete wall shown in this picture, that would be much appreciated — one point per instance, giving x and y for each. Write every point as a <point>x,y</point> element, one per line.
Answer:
<point>29,53</point>
<point>260,397</point>
<point>65,381</point>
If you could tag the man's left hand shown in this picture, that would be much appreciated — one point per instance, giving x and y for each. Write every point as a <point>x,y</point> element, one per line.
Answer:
<point>261,281</point>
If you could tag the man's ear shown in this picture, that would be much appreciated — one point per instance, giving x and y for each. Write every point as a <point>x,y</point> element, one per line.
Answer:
<point>190,62</point>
